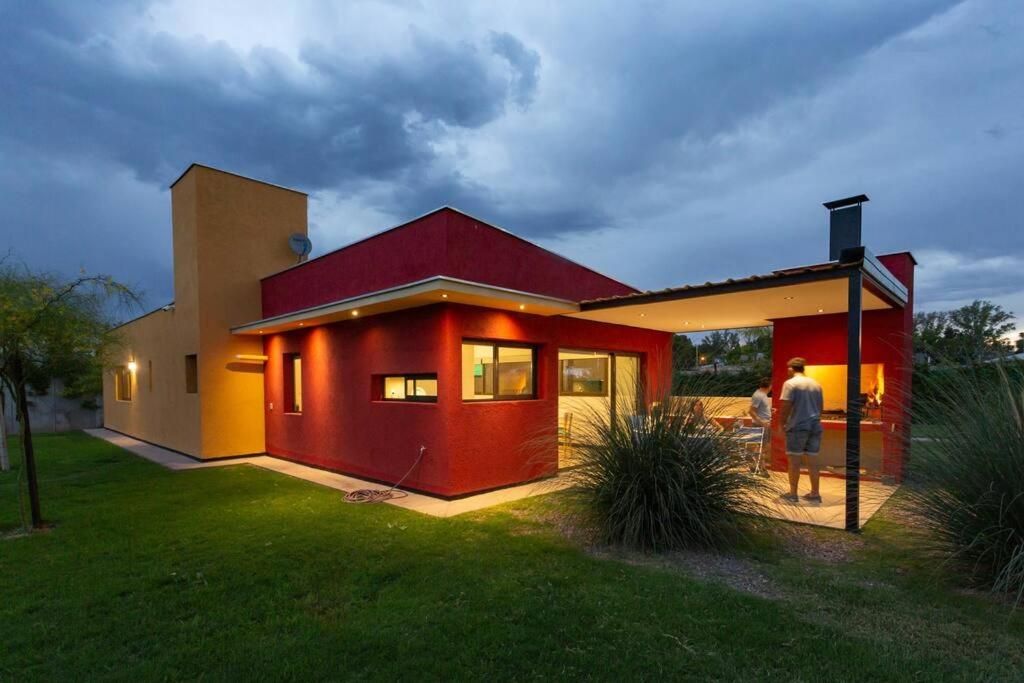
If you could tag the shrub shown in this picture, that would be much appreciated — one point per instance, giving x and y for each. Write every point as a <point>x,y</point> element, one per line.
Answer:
<point>663,480</point>
<point>967,479</point>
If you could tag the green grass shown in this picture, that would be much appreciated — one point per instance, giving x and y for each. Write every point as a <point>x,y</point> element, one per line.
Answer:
<point>236,572</point>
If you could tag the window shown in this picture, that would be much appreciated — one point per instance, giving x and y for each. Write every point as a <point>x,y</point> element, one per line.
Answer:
<point>497,371</point>
<point>583,376</point>
<point>293,382</point>
<point>421,388</point>
<point>122,383</point>
<point>191,374</point>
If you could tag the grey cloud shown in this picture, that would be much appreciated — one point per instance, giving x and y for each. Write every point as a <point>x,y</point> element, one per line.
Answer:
<point>525,64</point>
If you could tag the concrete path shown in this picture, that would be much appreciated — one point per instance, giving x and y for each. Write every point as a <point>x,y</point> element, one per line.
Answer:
<point>428,505</point>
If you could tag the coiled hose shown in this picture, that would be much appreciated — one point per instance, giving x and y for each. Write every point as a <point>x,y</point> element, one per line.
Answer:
<point>380,495</point>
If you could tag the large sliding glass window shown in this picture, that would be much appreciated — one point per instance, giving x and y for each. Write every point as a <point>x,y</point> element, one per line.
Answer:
<point>498,371</point>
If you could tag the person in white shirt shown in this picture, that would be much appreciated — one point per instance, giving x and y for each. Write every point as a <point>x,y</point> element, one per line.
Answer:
<point>800,414</point>
<point>760,410</point>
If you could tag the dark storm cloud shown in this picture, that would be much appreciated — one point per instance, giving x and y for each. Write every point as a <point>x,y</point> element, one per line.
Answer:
<point>663,143</point>
<point>157,102</point>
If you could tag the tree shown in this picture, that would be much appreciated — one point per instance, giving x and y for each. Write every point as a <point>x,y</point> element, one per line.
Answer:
<point>930,334</point>
<point>51,326</point>
<point>1020,342</point>
<point>977,331</point>
<point>684,353</point>
<point>718,344</point>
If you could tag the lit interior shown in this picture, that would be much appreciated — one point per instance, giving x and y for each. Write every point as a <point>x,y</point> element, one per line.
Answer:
<point>514,372</point>
<point>394,388</point>
<point>832,379</point>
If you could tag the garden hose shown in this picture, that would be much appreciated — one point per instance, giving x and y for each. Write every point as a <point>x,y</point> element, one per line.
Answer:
<point>380,495</point>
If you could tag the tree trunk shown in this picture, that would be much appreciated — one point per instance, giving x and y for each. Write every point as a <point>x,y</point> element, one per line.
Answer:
<point>5,458</point>
<point>26,441</point>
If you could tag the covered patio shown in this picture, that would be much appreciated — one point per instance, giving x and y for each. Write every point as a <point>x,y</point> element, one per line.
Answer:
<point>851,318</point>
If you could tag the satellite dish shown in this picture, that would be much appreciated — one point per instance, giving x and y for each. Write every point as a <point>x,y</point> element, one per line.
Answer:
<point>300,244</point>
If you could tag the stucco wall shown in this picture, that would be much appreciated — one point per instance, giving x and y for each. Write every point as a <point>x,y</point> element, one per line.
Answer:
<point>887,337</point>
<point>472,445</point>
<point>445,242</point>
<point>228,232</point>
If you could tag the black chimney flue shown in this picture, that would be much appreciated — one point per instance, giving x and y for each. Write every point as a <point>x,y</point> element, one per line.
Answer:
<point>844,224</point>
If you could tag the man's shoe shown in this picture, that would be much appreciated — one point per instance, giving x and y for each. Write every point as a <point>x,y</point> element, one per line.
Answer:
<point>811,497</point>
<point>789,498</point>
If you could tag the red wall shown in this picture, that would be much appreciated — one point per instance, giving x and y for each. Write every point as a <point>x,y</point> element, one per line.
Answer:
<point>886,337</point>
<point>444,242</point>
<point>471,446</point>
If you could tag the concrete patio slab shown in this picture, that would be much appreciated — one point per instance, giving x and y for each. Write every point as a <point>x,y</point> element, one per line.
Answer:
<point>416,502</point>
<point>831,511</point>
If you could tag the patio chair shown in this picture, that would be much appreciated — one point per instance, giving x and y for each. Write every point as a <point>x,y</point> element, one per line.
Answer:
<point>565,435</point>
<point>752,436</point>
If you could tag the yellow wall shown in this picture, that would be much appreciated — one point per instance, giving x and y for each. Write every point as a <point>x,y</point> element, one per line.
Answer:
<point>229,232</point>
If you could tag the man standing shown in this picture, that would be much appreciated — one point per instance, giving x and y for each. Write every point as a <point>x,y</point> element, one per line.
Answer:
<point>800,412</point>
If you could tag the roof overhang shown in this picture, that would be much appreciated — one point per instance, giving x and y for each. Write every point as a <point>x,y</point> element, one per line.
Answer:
<point>435,290</point>
<point>755,301</point>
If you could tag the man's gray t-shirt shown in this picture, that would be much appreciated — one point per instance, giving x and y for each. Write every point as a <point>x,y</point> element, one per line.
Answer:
<point>804,395</point>
<point>762,405</point>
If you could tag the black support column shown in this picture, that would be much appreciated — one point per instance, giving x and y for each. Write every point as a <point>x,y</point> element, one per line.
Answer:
<point>853,403</point>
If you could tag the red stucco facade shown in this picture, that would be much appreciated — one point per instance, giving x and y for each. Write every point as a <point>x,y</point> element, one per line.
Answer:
<point>886,337</point>
<point>471,445</point>
<point>444,242</point>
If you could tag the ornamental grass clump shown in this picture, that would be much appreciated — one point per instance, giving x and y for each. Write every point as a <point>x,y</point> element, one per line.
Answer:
<point>667,479</point>
<point>967,475</point>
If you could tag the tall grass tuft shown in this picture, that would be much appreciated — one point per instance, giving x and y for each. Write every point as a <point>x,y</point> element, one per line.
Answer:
<point>967,476</point>
<point>664,480</point>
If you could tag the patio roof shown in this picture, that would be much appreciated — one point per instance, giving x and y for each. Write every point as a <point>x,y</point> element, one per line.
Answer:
<point>754,301</point>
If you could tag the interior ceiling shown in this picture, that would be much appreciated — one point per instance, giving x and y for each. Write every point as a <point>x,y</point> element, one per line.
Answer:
<point>750,308</point>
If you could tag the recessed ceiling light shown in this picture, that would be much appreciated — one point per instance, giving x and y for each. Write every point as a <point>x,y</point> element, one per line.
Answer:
<point>444,296</point>
<point>301,324</point>
<point>261,331</point>
<point>821,310</point>
<point>522,307</point>
<point>642,314</point>
<point>789,298</point>
<point>355,313</point>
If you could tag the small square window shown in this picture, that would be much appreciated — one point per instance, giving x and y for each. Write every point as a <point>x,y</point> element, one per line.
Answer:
<point>417,388</point>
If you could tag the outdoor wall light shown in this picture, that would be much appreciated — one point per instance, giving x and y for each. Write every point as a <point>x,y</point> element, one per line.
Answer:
<point>132,366</point>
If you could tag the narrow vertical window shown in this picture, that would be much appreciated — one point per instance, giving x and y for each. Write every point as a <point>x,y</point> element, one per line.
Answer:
<point>122,383</point>
<point>293,382</point>
<point>191,374</point>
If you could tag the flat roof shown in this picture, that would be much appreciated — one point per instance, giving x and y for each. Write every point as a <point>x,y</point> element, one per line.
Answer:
<point>434,290</point>
<point>754,301</point>
<point>237,175</point>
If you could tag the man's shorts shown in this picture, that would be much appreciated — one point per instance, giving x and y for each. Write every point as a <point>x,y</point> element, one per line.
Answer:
<point>803,441</point>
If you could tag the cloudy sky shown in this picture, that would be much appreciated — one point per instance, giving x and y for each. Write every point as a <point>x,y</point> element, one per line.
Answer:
<point>663,144</point>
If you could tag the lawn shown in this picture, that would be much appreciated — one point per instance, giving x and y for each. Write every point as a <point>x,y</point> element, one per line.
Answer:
<point>236,572</point>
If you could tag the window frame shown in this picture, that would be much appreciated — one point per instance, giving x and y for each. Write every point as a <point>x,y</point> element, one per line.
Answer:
<point>609,365</point>
<point>534,393</point>
<point>406,378</point>
<point>123,379</point>
<point>289,384</point>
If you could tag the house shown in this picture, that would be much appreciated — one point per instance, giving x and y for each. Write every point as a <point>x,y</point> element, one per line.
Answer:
<point>449,335</point>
